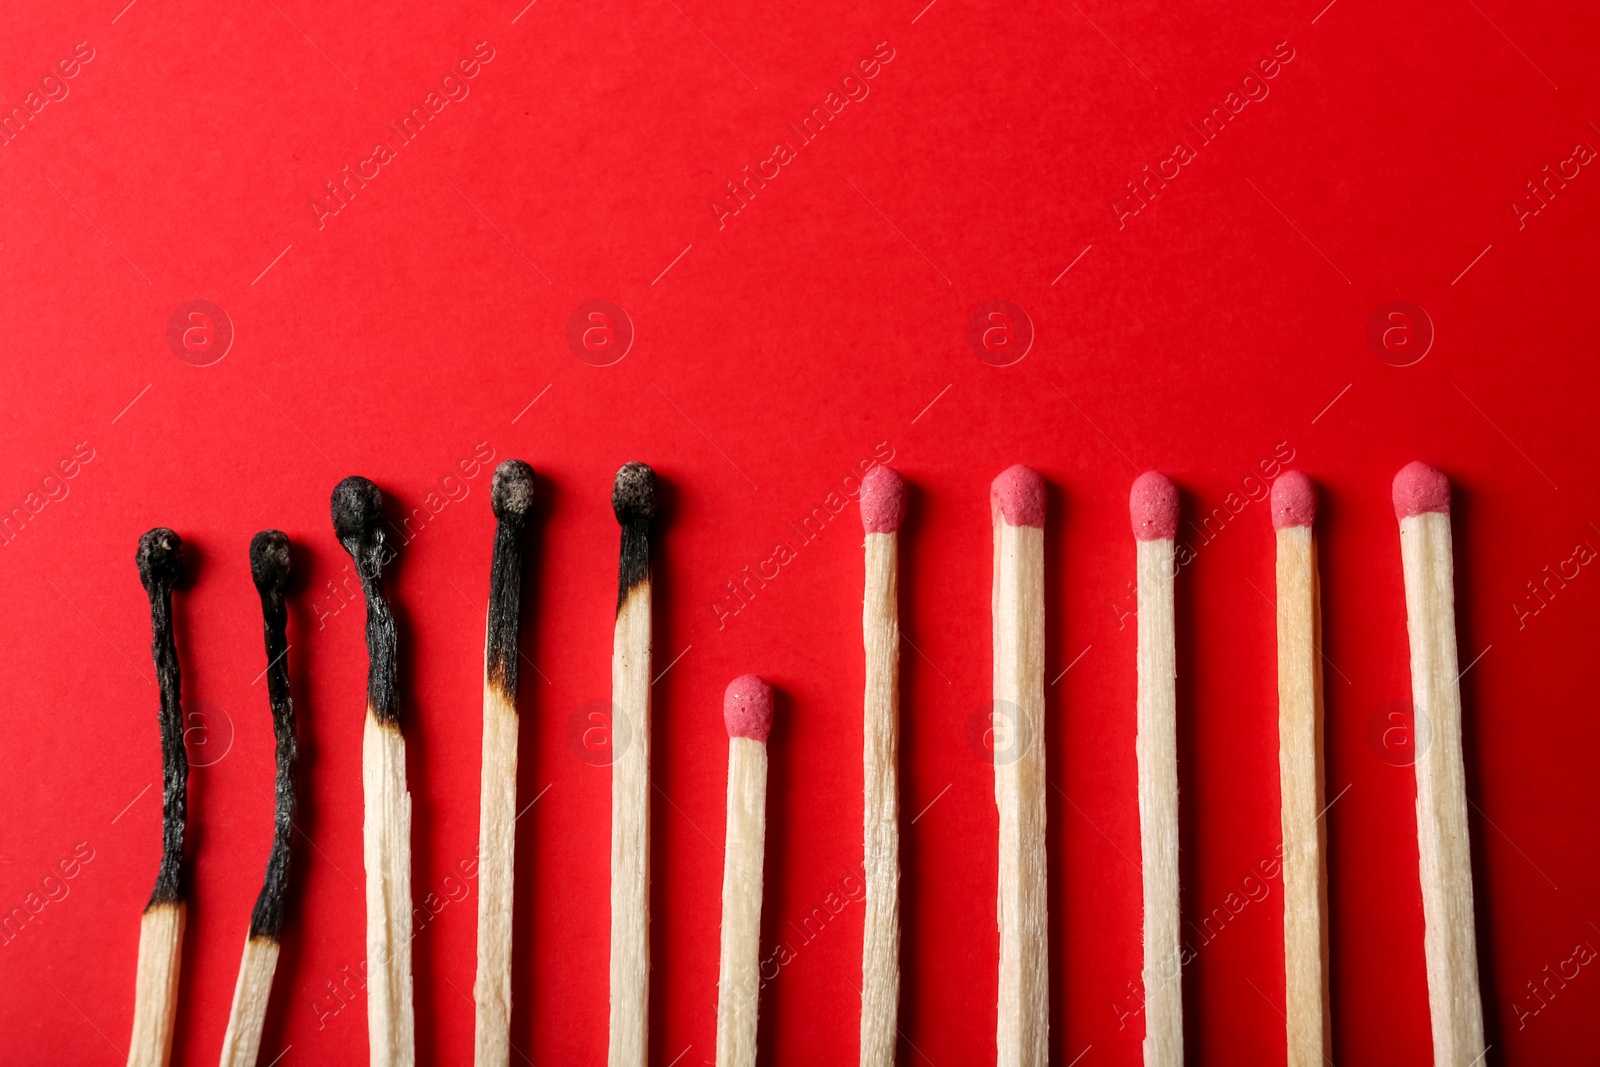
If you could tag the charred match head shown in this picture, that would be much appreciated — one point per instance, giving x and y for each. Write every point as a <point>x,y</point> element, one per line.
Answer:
<point>269,561</point>
<point>160,562</point>
<point>269,566</point>
<point>511,497</point>
<point>633,499</point>
<point>511,492</point>
<point>357,510</point>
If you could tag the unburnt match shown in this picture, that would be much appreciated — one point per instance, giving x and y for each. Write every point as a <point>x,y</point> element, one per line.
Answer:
<point>357,509</point>
<point>1300,773</point>
<point>1017,505</point>
<point>747,713</point>
<point>155,1003</point>
<point>510,495</point>
<point>1422,505</point>
<point>1153,508</point>
<point>883,508</point>
<point>269,567</point>
<point>633,499</point>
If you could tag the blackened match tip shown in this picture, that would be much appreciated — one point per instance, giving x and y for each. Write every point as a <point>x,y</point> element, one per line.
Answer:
<point>633,495</point>
<point>160,559</point>
<point>511,492</point>
<point>357,507</point>
<point>269,560</point>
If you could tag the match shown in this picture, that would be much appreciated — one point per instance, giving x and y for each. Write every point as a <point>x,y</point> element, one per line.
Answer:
<point>747,712</point>
<point>511,496</point>
<point>241,1044</point>
<point>1153,508</point>
<point>155,1003</point>
<point>1422,505</point>
<point>883,508</point>
<point>1022,1029</point>
<point>633,499</point>
<point>357,509</point>
<point>1300,773</point>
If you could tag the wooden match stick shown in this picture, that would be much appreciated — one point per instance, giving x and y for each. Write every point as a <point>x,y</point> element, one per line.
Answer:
<point>357,509</point>
<point>883,507</point>
<point>269,567</point>
<point>633,499</point>
<point>155,1003</point>
<point>510,495</point>
<point>747,712</point>
<point>1422,504</point>
<point>1017,504</point>
<point>1300,774</point>
<point>1153,507</point>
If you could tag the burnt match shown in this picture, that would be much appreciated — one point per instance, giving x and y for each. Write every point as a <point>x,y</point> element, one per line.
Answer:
<point>269,567</point>
<point>160,563</point>
<point>633,499</point>
<point>357,508</point>
<point>511,497</point>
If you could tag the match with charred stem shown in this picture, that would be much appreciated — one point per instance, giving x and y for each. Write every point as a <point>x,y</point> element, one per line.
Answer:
<point>160,562</point>
<point>357,511</point>
<point>633,499</point>
<point>241,1044</point>
<point>511,497</point>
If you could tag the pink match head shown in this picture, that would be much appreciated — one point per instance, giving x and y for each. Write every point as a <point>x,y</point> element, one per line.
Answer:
<point>747,708</point>
<point>1418,488</point>
<point>883,500</point>
<point>1153,507</point>
<point>1294,500</point>
<point>1018,494</point>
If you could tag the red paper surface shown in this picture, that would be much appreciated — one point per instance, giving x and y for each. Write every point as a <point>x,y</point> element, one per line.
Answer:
<point>1239,319</point>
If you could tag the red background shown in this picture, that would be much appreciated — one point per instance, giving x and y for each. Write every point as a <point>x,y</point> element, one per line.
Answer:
<point>818,324</point>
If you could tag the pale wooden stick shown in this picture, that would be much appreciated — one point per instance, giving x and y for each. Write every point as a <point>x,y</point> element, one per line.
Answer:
<point>510,495</point>
<point>386,852</point>
<point>747,712</point>
<point>882,509</point>
<point>241,1044</point>
<point>1300,775</point>
<point>1422,504</point>
<point>357,508</point>
<point>633,500</point>
<point>1154,509</point>
<point>1022,1032</point>
<point>155,997</point>
<point>496,872</point>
